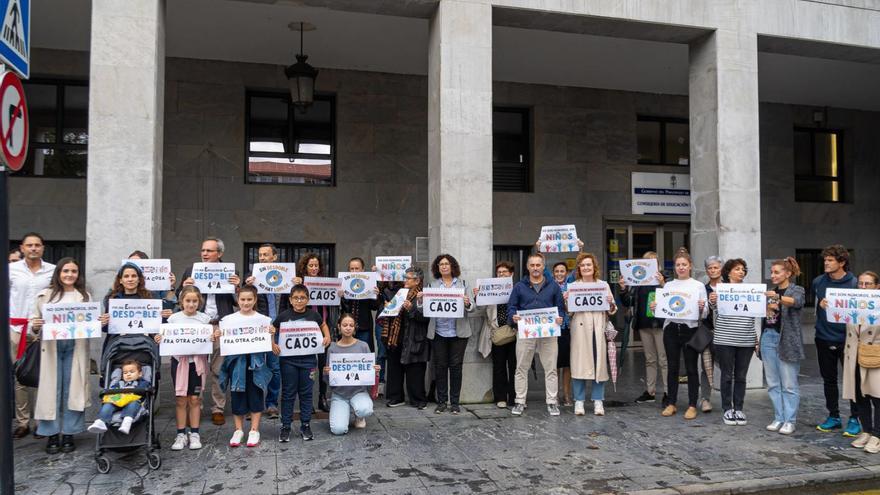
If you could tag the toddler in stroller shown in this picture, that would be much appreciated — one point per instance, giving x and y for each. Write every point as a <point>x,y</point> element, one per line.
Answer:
<point>128,403</point>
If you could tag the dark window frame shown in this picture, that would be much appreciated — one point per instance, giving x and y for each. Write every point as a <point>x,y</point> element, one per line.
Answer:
<point>526,113</point>
<point>663,121</point>
<point>290,133</point>
<point>814,177</point>
<point>329,269</point>
<point>524,252</point>
<point>55,249</point>
<point>59,144</point>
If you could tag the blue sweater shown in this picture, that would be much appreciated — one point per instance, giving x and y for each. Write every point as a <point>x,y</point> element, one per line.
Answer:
<point>527,296</point>
<point>830,332</point>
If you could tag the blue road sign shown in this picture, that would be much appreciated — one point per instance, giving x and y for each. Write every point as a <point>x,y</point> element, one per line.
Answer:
<point>15,36</point>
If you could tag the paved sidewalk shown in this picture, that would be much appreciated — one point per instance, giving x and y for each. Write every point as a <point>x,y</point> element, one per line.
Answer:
<point>484,450</point>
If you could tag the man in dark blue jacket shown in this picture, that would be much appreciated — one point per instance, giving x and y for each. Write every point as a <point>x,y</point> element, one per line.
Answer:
<point>830,337</point>
<point>536,292</point>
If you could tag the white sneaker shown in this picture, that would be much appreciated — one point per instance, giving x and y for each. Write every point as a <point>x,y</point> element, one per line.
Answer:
<point>253,438</point>
<point>98,427</point>
<point>579,408</point>
<point>501,404</point>
<point>598,408</point>
<point>774,426</point>
<point>125,427</point>
<point>235,441</point>
<point>195,441</point>
<point>179,442</point>
<point>360,423</point>
<point>787,428</point>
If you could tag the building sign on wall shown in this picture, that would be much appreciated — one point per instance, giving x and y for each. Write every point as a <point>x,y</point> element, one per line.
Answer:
<point>661,194</point>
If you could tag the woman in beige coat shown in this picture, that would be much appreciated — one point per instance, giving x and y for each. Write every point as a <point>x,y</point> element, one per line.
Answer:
<point>63,394</point>
<point>589,351</point>
<point>863,384</point>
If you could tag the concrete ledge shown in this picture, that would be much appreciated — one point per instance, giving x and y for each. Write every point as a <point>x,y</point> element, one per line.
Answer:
<point>768,484</point>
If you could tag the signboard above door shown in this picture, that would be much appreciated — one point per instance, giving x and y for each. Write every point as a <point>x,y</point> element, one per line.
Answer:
<point>661,194</point>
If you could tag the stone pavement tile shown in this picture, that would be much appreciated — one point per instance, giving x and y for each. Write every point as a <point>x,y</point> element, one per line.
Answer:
<point>253,476</point>
<point>437,474</point>
<point>383,478</point>
<point>308,483</point>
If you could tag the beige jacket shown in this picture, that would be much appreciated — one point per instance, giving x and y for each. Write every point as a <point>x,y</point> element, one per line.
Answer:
<point>870,378</point>
<point>587,331</point>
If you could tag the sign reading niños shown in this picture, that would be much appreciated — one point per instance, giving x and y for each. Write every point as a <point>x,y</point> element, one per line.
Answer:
<point>538,323</point>
<point>392,268</point>
<point>857,306</point>
<point>558,239</point>
<point>73,320</point>
<point>661,194</point>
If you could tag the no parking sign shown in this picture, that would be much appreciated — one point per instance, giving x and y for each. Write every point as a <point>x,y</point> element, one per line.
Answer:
<point>13,121</point>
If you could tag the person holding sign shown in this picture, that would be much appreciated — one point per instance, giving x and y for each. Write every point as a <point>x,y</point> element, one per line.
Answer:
<point>535,292</point>
<point>861,373</point>
<point>563,356</point>
<point>782,344</point>
<point>169,297</point>
<point>677,332</point>
<point>735,339</point>
<point>129,283</point>
<point>344,400</point>
<point>405,338</point>
<point>298,371</point>
<point>449,336</point>
<point>713,265</point>
<point>503,344</point>
<point>589,349</point>
<point>63,394</point>
<point>362,309</point>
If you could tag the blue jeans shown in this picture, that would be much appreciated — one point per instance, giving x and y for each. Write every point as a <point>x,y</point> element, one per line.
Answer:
<point>66,422</point>
<point>782,379</point>
<point>129,410</point>
<point>579,389</point>
<point>366,336</point>
<point>296,381</point>
<point>274,388</point>
<point>340,408</point>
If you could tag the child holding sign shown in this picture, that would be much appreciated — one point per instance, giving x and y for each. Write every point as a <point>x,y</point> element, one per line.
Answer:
<point>344,399</point>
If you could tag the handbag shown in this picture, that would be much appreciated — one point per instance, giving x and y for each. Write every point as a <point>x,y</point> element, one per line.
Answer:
<point>869,356</point>
<point>502,335</point>
<point>27,369</point>
<point>701,338</point>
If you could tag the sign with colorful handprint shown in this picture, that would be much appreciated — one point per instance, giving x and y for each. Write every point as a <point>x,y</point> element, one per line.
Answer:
<point>74,320</point>
<point>856,306</point>
<point>392,268</point>
<point>538,323</point>
<point>558,239</point>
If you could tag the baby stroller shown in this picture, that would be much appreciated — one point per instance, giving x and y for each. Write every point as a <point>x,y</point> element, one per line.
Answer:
<point>143,349</point>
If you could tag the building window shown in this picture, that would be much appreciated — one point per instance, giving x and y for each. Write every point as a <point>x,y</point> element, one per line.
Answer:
<point>518,255</point>
<point>511,150</point>
<point>818,165</point>
<point>55,250</point>
<point>287,145</point>
<point>59,135</point>
<point>663,141</point>
<point>291,253</point>
<point>812,265</point>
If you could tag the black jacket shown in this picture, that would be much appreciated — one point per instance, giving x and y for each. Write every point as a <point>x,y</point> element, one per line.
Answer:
<point>637,298</point>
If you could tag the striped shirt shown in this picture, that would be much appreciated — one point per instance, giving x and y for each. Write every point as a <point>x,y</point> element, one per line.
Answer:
<point>736,331</point>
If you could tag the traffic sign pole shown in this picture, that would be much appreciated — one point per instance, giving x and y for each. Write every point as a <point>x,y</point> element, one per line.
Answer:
<point>7,479</point>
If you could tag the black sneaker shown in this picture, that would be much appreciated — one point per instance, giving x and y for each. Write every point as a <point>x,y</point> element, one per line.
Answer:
<point>645,397</point>
<point>67,444</point>
<point>53,445</point>
<point>306,432</point>
<point>395,403</point>
<point>284,435</point>
<point>440,409</point>
<point>455,409</point>
<point>422,406</point>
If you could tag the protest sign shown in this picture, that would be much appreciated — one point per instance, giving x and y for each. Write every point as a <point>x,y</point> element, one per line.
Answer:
<point>681,304</point>
<point>742,299</point>
<point>242,334</point>
<point>350,370</point>
<point>71,320</point>
<point>558,239</point>
<point>186,339</point>
<point>134,316</point>
<point>359,285</point>
<point>213,278</point>
<point>584,296</point>
<point>639,272</point>
<point>494,290</point>
<point>323,291</point>
<point>395,304</point>
<point>443,302</point>
<point>538,323</point>
<point>856,306</point>
<point>157,273</point>
<point>274,278</point>
<point>300,338</point>
<point>392,268</point>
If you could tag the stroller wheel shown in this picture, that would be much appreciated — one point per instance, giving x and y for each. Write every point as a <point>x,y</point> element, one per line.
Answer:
<point>103,464</point>
<point>153,460</point>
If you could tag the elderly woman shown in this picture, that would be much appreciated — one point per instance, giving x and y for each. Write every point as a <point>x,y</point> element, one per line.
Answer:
<point>861,378</point>
<point>405,337</point>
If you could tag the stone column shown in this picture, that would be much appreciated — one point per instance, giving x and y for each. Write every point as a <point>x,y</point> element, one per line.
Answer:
<point>725,158</point>
<point>126,112</point>
<point>460,153</point>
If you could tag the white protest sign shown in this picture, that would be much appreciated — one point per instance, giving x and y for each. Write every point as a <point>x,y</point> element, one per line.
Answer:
<point>680,304</point>
<point>494,290</point>
<point>71,320</point>
<point>558,239</point>
<point>134,316</point>
<point>639,272</point>
<point>857,306</point>
<point>392,268</point>
<point>157,273</point>
<point>395,304</point>
<point>443,302</point>
<point>300,338</point>
<point>742,299</point>
<point>323,291</point>
<point>584,296</point>
<point>213,278</point>
<point>351,370</point>
<point>186,339</point>
<point>359,285</point>
<point>538,323</point>
<point>245,334</point>
<point>274,278</point>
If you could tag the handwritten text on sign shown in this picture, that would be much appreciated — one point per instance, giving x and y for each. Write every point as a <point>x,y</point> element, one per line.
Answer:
<point>134,316</point>
<point>494,290</point>
<point>245,334</point>
<point>679,304</point>
<point>65,321</point>
<point>392,268</point>
<point>186,339</point>
<point>350,370</point>
<point>359,285</point>
<point>558,239</point>
<point>393,307</point>
<point>274,278</point>
<point>157,273</point>
<point>300,338</point>
<point>538,323</point>
<point>639,272</point>
<point>213,278</point>
<point>443,302</point>
<point>742,299</point>
<point>857,306</point>
<point>584,296</point>
<point>323,291</point>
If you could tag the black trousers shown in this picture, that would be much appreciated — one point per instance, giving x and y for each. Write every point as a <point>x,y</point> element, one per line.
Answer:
<point>829,355</point>
<point>503,368</point>
<point>448,357</point>
<point>870,419</point>
<point>675,339</point>
<point>413,374</point>
<point>734,364</point>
